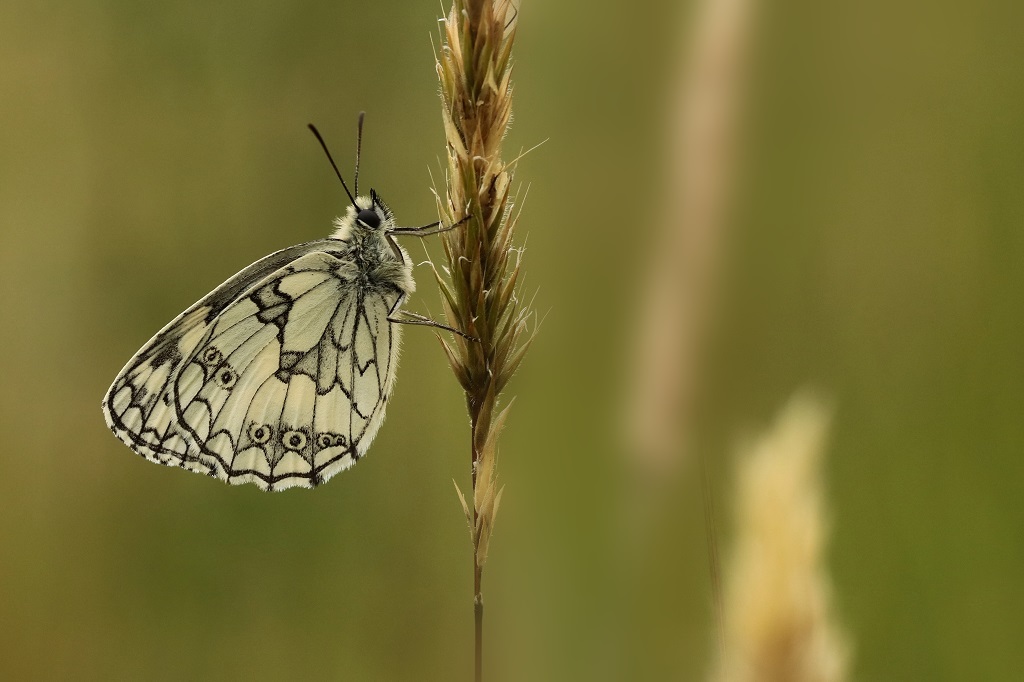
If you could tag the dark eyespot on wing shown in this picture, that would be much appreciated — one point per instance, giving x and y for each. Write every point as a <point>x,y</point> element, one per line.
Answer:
<point>260,433</point>
<point>293,440</point>
<point>226,377</point>
<point>211,356</point>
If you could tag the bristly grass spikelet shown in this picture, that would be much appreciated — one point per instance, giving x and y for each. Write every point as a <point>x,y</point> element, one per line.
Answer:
<point>479,284</point>
<point>780,623</point>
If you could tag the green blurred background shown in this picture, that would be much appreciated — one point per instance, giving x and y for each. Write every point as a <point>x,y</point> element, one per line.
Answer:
<point>149,150</point>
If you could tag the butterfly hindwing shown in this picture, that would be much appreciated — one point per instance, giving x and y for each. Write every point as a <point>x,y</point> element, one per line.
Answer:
<point>375,343</point>
<point>137,407</point>
<point>279,377</point>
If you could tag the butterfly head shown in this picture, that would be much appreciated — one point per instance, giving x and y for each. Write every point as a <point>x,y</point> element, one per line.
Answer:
<point>368,214</point>
<point>371,213</point>
<point>368,217</point>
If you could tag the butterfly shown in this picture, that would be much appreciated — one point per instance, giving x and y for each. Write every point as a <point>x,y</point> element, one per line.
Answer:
<point>281,375</point>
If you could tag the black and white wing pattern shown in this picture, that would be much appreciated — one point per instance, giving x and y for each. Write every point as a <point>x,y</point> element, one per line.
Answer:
<point>279,377</point>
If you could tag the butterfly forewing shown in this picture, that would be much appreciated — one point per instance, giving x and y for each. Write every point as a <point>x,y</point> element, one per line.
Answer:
<point>279,377</point>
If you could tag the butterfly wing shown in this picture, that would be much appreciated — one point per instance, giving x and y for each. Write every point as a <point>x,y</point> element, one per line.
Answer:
<point>280,377</point>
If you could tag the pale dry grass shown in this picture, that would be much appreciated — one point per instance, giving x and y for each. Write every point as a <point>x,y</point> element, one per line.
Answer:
<point>678,295</point>
<point>479,283</point>
<point>779,625</point>
<point>677,302</point>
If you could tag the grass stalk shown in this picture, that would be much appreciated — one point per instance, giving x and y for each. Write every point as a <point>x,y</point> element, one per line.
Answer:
<point>479,282</point>
<point>678,303</point>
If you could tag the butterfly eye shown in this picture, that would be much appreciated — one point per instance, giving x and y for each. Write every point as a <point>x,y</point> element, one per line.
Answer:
<point>293,440</point>
<point>369,218</point>
<point>260,433</point>
<point>211,356</point>
<point>226,377</point>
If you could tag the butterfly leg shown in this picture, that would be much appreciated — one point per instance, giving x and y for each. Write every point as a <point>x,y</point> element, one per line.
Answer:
<point>427,230</point>
<point>424,231</point>
<point>415,318</point>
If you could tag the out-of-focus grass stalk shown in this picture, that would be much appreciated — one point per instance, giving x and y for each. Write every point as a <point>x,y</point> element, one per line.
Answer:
<point>778,624</point>
<point>479,283</point>
<point>677,296</point>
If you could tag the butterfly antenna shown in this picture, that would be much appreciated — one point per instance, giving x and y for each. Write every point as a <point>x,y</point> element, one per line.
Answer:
<point>359,147</point>
<point>330,158</point>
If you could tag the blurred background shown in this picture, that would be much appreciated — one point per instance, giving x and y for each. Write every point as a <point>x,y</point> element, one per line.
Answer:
<point>867,243</point>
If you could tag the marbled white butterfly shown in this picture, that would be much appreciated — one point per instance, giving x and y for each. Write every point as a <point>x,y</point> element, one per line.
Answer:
<point>280,376</point>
